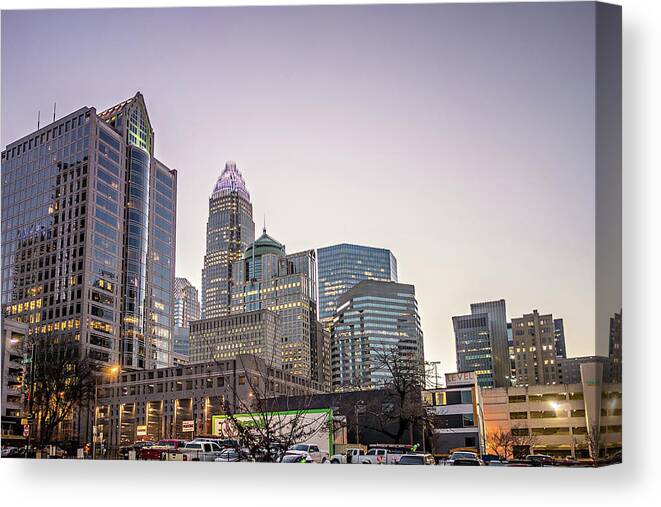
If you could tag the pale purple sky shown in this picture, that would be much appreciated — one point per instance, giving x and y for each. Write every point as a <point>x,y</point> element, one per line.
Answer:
<point>459,136</point>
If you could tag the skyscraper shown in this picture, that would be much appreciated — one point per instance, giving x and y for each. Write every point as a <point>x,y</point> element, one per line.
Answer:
<point>88,236</point>
<point>230,229</point>
<point>186,310</point>
<point>482,344</point>
<point>148,240</point>
<point>186,302</point>
<point>343,266</point>
<point>376,324</point>
<point>267,278</point>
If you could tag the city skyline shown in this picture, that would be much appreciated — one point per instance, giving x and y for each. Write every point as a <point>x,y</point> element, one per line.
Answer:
<point>432,194</point>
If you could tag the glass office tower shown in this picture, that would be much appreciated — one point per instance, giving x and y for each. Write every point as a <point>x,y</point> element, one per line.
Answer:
<point>148,253</point>
<point>376,326</point>
<point>88,235</point>
<point>481,340</point>
<point>343,266</point>
<point>186,310</point>
<point>230,229</point>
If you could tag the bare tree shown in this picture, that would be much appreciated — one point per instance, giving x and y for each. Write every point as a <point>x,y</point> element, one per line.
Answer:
<point>594,440</point>
<point>504,443</point>
<point>267,421</point>
<point>499,442</point>
<point>264,419</point>
<point>402,409</point>
<point>61,383</point>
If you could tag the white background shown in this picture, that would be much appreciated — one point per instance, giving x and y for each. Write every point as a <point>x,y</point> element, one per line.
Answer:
<point>636,482</point>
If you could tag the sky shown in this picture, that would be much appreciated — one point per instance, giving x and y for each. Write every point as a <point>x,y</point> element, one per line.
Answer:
<point>461,137</point>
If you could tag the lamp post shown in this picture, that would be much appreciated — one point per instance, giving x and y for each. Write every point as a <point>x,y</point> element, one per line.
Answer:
<point>112,370</point>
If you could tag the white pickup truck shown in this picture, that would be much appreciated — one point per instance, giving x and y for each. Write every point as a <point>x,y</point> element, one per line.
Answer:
<point>200,451</point>
<point>311,449</point>
<point>380,457</point>
<point>351,456</point>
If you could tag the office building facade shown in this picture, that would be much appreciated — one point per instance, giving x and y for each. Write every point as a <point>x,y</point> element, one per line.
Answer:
<point>615,347</point>
<point>374,321</point>
<point>186,310</point>
<point>534,348</point>
<point>223,338</point>
<point>266,278</point>
<point>156,404</point>
<point>230,229</point>
<point>569,368</point>
<point>88,234</point>
<point>560,345</point>
<point>343,266</point>
<point>481,340</point>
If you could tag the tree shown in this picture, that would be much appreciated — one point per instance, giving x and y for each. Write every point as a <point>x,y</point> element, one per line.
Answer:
<point>504,443</point>
<point>61,383</point>
<point>499,442</point>
<point>262,418</point>
<point>402,410</point>
<point>594,440</point>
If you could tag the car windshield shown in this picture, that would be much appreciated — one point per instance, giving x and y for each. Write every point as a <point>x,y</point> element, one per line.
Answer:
<point>411,460</point>
<point>299,447</point>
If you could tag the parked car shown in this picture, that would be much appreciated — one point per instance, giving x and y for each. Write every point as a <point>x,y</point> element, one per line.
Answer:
<point>520,463</point>
<point>378,456</point>
<point>155,452</point>
<point>230,455</point>
<point>135,446</point>
<point>297,457</point>
<point>464,458</point>
<point>417,459</point>
<point>350,456</point>
<point>13,452</point>
<point>318,456</point>
<point>201,451</point>
<point>541,459</point>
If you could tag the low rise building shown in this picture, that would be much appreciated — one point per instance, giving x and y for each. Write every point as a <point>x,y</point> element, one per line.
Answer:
<point>179,402</point>
<point>14,335</point>
<point>561,420</point>
<point>569,369</point>
<point>456,414</point>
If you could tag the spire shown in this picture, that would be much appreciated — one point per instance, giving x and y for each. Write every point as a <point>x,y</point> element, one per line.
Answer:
<point>264,228</point>
<point>230,181</point>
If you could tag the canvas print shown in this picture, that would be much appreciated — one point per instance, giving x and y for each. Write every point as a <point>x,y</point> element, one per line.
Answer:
<point>338,235</point>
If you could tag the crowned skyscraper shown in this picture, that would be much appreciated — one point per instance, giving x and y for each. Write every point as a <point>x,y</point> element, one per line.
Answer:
<point>230,229</point>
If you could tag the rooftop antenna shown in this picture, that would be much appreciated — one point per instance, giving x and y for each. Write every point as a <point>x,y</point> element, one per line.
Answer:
<point>54,108</point>
<point>38,119</point>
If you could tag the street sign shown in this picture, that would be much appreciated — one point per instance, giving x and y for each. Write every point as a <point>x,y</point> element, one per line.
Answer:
<point>187,426</point>
<point>24,421</point>
<point>26,430</point>
<point>141,431</point>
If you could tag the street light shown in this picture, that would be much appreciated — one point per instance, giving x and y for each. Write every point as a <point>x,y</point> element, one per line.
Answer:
<point>112,371</point>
